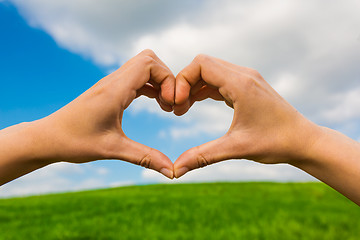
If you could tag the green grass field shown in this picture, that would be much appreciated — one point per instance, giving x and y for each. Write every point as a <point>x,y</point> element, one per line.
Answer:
<point>185,211</point>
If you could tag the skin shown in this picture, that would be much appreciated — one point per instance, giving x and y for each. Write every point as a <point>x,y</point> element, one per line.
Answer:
<point>265,127</point>
<point>89,128</point>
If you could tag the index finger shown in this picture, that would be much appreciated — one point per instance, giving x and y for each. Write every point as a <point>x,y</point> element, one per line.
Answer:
<point>144,68</point>
<point>162,75</point>
<point>202,68</point>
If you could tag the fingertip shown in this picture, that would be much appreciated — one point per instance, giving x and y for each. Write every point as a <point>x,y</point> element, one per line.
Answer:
<point>180,172</point>
<point>167,93</point>
<point>167,173</point>
<point>162,164</point>
<point>167,99</point>
<point>167,90</point>
<point>182,108</point>
<point>181,97</point>
<point>182,90</point>
<point>179,113</point>
<point>181,165</point>
<point>164,106</point>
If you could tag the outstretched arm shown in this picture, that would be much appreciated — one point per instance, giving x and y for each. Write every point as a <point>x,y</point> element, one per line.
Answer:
<point>89,128</point>
<point>265,128</point>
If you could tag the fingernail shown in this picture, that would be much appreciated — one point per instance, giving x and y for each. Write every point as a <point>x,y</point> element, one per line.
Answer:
<point>181,171</point>
<point>168,173</point>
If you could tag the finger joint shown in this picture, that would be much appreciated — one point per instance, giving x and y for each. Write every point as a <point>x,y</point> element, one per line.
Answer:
<point>200,58</point>
<point>145,161</point>
<point>202,162</point>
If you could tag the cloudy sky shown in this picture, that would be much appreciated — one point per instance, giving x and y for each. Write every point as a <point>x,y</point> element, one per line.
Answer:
<point>52,51</point>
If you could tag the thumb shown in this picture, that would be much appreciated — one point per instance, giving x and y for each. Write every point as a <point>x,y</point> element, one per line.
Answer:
<point>203,155</point>
<point>139,154</point>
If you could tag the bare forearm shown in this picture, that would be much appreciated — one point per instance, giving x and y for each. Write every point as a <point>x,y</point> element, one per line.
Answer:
<point>335,159</point>
<point>20,152</point>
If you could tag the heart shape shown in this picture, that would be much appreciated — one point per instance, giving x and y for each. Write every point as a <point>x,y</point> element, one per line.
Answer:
<point>90,127</point>
<point>263,123</point>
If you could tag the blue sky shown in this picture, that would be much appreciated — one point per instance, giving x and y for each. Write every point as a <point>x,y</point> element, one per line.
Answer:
<point>37,76</point>
<point>52,51</point>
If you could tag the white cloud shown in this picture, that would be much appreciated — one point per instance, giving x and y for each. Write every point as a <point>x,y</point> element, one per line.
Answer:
<point>58,177</point>
<point>144,104</point>
<point>236,170</point>
<point>346,107</point>
<point>287,85</point>
<point>102,171</point>
<point>206,117</point>
<point>210,118</point>
<point>102,30</point>
<point>122,184</point>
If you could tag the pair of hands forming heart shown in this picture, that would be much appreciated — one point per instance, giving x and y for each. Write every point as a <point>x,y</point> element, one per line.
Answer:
<point>265,127</point>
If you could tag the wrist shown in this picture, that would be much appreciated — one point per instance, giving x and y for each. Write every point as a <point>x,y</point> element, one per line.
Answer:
<point>60,139</point>
<point>304,142</point>
<point>36,148</point>
<point>21,151</point>
<point>20,146</point>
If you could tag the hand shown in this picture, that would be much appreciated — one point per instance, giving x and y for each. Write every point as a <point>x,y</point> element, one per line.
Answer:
<point>90,127</point>
<point>265,127</point>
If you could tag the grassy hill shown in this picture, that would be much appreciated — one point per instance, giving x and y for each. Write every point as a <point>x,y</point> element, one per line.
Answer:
<point>185,211</point>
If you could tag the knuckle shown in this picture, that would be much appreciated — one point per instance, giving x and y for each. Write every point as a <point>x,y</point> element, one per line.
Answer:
<point>148,52</point>
<point>147,60</point>
<point>249,84</point>
<point>145,161</point>
<point>245,81</point>
<point>185,76</point>
<point>202,58</point>
<point>254,73</point>
<point>202,161</point>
